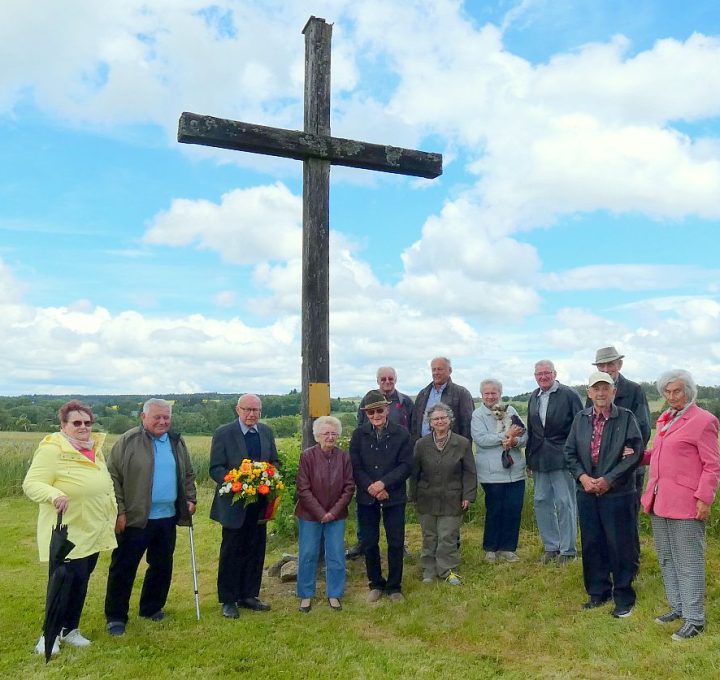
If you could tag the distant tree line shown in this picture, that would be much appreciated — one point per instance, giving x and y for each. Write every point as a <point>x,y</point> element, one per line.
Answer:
<point>192,413</point>
<point>203,413</point>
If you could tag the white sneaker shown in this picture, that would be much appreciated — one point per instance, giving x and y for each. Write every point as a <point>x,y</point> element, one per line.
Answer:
<point>40,646</point>
<point>75,638</point>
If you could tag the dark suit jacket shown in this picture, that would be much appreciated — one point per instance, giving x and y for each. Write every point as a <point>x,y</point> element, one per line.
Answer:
<point>544,451</point>
<point>388,459</point>
<point>457,398</point>
<point>227,452</point>
<point>630,395</point>
<point>621,430</point>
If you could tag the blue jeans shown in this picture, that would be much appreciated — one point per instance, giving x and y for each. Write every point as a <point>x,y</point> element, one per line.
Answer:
<point>503,510</point>
<point>309,536</point>
<point>556,510</point>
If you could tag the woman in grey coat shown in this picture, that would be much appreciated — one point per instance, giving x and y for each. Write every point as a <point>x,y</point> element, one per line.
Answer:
<point>442,486</point>
<point>500,469</point>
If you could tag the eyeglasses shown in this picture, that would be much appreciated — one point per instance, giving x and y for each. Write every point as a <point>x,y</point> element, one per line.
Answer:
<point>250,410</point>
<point>78,423</point>
<point>329,434</point>
<point>373,411</point>
<point>387,379</point>
<point>543,374</point>
<point>438,419</point>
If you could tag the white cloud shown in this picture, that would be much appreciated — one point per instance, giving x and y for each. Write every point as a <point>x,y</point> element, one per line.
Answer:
<point>248,226</point>
<point>632,277</point>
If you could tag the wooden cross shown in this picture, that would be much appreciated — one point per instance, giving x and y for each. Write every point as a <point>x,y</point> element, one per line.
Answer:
<point>318,151</point>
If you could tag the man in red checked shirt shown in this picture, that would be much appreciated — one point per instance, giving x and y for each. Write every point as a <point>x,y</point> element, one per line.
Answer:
<point>602,451</point>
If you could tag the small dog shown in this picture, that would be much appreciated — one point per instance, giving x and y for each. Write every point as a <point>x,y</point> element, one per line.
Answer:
<point>505,420</point>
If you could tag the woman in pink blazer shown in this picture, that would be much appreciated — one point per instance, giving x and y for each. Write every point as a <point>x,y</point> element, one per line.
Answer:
<point>683,479</point>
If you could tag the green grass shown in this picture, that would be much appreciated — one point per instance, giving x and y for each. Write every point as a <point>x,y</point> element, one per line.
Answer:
<point>510,621</point>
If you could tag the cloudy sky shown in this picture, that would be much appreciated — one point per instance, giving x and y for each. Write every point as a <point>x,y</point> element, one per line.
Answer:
<point>579,204</point>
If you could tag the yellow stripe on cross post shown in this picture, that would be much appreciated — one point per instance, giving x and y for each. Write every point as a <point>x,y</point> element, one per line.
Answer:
<point>319,399</point>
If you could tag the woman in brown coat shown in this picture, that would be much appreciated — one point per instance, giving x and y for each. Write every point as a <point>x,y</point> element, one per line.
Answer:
<point>324,487</point>
<point>442,486</point>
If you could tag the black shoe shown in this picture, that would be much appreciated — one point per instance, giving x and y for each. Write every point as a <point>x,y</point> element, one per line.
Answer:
<point>305,609</point>
<point>354,552</point>
<point>230,610</point>
<point>548,556</point>
<point>594,602</point>
<point>254,604</point>
<point>159,615</point>
<point>687,631</point>
<point>668,618</point>
<point>622,611</point>
<point>116,628</point>
<point>336,607</point>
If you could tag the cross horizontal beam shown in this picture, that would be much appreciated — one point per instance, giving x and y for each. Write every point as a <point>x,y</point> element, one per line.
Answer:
<point>194,128</point>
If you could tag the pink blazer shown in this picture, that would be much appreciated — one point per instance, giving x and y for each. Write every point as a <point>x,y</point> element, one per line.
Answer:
<point>684,466</point>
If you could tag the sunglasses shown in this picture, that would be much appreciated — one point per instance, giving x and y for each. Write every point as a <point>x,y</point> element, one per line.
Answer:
<point>373,411</point>
<point>78,423</point>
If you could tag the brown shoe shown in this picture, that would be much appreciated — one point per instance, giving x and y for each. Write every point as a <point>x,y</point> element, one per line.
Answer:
<point>374,595</point>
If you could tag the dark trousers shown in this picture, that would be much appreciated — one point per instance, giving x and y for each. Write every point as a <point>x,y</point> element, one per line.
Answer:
<point>242,555</point>
<point>503,510</point>
<point>608,530</point>
<point>157,542</point>
<point>79,571</point>
<point>393,518</point>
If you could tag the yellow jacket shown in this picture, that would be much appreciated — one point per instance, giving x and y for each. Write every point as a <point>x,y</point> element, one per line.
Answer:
<point>57,469</point>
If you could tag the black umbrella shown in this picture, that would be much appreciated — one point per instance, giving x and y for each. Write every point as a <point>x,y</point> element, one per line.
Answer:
<point>59,585</point>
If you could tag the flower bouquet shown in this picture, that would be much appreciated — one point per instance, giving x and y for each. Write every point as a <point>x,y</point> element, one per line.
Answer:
<point>254,479</point>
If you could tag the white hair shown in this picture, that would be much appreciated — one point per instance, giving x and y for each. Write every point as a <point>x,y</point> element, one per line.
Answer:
<point>156,402</point>
<point>491,381</point>
<point>326,420</point>
<point>385,368</point>
<point>684,377</point>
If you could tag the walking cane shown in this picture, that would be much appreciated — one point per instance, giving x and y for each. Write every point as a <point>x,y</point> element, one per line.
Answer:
<point>194,571</point>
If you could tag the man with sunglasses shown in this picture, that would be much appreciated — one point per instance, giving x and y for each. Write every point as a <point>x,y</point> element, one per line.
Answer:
<point>382,460</point>
<point>399,412</point>
<point>242,550</point>
<point>155,491</point>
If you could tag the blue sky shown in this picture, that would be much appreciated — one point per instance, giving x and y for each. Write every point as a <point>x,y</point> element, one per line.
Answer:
<point>578,207</point>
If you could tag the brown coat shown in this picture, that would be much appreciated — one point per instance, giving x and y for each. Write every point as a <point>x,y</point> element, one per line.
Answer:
<point>442,480</point>
<point>324,483</point>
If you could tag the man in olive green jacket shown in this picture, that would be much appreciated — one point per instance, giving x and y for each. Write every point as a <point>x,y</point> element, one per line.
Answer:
<point>155,490</point>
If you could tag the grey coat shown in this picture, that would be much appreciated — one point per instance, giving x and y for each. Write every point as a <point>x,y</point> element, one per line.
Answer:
<point>442,480</point>
<point>488,449</point>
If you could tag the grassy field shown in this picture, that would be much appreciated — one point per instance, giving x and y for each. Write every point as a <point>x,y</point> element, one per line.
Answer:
<point>510,621</point>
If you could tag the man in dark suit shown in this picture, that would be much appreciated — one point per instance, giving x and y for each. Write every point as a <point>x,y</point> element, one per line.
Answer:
<point>551,410</point>
<point>629,395</point>
<point>242,550</point>
<point>442,388</point>
<point>602,450</point>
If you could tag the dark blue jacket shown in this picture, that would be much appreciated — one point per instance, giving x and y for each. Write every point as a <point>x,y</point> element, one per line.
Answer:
<point>227,452</point>
<point>388,459</point>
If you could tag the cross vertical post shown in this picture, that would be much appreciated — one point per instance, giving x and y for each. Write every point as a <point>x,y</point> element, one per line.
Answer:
<point>316,223</point>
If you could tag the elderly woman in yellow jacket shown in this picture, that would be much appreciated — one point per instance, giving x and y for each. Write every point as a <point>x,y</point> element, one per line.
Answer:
<point>68,474</point>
